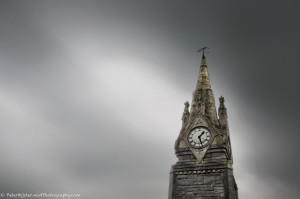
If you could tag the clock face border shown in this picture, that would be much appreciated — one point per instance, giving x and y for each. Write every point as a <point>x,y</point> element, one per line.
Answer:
<point>206,144</point>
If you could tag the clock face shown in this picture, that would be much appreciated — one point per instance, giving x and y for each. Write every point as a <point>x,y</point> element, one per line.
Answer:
<point>199,137</point>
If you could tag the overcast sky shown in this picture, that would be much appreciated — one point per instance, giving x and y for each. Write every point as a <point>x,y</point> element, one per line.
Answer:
<point>92,92</point>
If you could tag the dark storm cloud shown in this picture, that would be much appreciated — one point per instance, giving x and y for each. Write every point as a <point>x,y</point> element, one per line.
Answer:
<point>92,92</point>
<point>268,70</point>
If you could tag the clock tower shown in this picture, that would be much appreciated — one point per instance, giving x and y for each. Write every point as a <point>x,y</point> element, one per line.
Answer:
<point>203,149</point>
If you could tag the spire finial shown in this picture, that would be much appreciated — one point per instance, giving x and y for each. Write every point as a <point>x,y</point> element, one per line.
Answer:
<point>203,50</point>
<point>222,100</point>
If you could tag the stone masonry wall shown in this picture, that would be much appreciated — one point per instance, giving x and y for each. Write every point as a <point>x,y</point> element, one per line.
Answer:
<point>199,186</point>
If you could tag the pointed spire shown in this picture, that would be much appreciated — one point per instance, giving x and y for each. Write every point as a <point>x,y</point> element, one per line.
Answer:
<point>203,77</point>
<point>203,98</point>
<point>185,114</point>
<point>222,112</point>
<point>222,105</point>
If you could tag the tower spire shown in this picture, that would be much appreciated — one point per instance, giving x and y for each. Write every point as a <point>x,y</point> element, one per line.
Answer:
<point>203,77</point>
<point>203,98</point>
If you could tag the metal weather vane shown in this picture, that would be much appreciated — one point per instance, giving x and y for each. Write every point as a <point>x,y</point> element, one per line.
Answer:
<point>203,50</point>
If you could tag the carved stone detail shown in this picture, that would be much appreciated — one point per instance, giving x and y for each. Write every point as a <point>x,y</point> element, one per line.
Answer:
<point>222,112</point>
<point>186,114</point>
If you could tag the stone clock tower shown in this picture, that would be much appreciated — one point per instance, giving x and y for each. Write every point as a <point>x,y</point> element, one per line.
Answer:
<point>203,149</point>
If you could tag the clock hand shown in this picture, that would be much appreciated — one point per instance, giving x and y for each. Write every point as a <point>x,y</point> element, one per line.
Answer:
<point>201,133</point>
<point>199,137</point>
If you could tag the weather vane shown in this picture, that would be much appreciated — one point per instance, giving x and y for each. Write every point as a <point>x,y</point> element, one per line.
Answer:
<point>203,50</point>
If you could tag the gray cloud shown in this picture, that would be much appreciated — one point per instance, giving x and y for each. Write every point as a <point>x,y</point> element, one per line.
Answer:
<point>92,93</point>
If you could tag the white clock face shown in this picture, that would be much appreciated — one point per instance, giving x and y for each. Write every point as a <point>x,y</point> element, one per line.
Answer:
<point>199,137</point>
